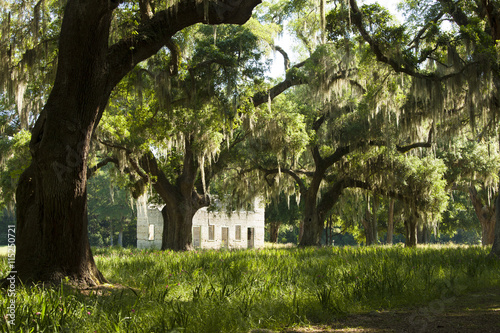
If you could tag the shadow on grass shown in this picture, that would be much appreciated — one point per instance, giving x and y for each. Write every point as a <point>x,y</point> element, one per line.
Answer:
<point>469,313</point>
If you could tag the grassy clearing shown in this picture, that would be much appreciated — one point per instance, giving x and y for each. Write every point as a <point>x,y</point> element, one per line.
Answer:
<point>237,291</point>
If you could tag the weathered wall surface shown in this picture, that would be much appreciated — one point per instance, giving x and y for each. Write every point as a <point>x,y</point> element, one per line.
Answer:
<point>250,225</point>
<point>145,218</point>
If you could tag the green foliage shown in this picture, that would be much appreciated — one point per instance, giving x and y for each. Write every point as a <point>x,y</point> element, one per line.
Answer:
<point>238,291</point>
<point>28,51</point>
<point>111,210</point>
<point>199,108</point>
<point>470,162</point>
<point>283,210</point>
<point>422,179</point>
<point>15,159</point>
<point>280,10</point>
<point>458,216</point>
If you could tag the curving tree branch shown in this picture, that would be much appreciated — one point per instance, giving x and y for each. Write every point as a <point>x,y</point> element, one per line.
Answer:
<point>156,31</point>
<point>399,65</point>
<point>92,170</point>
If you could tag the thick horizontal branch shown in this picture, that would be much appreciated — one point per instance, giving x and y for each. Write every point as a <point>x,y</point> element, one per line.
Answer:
<point>161,183</point>
<point>115,146</point>
<point>92,170</point>
<point>407,148</point>
<point>155,32</point>
<point>332,196</point>
<point>291,173</point>
<point>339,153</point>
<point>290,81</point>
<point>428,144</point>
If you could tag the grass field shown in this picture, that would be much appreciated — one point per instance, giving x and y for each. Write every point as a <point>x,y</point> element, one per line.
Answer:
<point>241,291</point>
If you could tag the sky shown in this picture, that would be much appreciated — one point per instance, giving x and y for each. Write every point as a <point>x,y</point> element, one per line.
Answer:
<point>277,68</point>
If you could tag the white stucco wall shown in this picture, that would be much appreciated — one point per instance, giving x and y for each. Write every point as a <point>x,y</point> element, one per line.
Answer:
<point>147,216</point>
<point>150,217</point>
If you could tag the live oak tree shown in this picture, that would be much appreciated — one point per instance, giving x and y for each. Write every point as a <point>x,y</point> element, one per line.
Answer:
<point>52,240</point>
<point>317,153</point>
<point>416,183</point>
<point>309,136</point>
<point>462,58</point>
<point>473,168</point>
<point>209,106</point>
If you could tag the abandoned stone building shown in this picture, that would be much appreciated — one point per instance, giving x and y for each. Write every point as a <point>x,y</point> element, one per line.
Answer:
<point>211,230</point>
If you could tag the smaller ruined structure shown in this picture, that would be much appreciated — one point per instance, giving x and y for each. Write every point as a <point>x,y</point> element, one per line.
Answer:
<point>211,230</point>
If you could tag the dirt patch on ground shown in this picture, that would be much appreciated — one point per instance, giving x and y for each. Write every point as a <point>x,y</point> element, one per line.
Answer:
<point>471,313</point>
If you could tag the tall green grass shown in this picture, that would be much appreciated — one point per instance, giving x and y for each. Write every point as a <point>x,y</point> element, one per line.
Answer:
<point>237,291</point>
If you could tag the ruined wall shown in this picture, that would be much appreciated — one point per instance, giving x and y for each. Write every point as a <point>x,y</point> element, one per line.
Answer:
<point>147,216</point>
<point>211,230</point>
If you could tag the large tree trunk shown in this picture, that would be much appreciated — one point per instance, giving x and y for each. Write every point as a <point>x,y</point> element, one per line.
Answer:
<point>177,228</point>
<point>301,231</point>
<point>374,228</point>
<point>368,226</point>
<point>495,249</point>
<point>329,231</point>
<point>315,212</point>
<point>411,231</point>
<point>273,231</point>
<point>52,241</point>
<point>424,235</point>
<point>312,228</point>
<point>313,222</point>
<point>120,237</point>
<point>486,215</point>
<point>178,221</point>
<point>390,222</point>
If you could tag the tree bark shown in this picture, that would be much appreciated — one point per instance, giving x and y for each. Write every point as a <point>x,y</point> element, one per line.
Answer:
<point>329,231</point>
<point>424,235</point>
<point>301,231</point>
<point>177,228</point>
<point>495,249</point>
<point>120,238</point>
<point>313,222</point>
<point>313,219</point>
<point>411,231</point>
<point>374,219</point>
<point>273,231</point>
<point>390,222</point>
<point>52,240</point>
<point>370,223</point>
<point>314,213</point>
<point>486,216</point>
<point>368,226</point>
